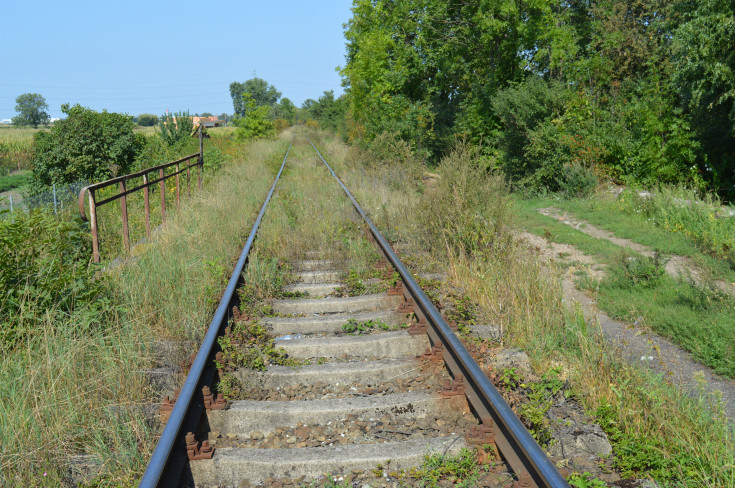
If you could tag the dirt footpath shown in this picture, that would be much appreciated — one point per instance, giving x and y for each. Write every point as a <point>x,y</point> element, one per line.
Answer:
<point>636,346</point>
<point>676,266</point>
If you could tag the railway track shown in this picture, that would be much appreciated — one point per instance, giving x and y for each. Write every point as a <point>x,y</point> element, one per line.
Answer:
<point>357,385</point>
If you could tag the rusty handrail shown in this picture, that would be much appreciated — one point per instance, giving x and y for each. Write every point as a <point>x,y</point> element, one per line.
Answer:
<point>124,191</point>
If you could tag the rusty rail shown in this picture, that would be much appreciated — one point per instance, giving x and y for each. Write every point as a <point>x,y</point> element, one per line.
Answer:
<point>520,449</point>
<point>147,182</point>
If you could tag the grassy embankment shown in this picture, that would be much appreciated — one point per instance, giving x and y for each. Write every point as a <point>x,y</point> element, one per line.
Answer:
<point>72,376</point>
<point>699,317</point>
<point>656,430</point>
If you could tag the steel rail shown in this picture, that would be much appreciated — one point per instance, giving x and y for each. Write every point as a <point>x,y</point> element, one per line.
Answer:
<point>526,453</point>
<point>171,433</point>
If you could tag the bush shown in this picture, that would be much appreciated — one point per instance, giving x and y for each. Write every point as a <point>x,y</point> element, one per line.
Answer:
<point>175,128</point>
<point>147,120</point>
<point>470,207</point>
<point>256,123</point>
<point>576,181</point>
<point>43,267</point>
<point>87,145</point>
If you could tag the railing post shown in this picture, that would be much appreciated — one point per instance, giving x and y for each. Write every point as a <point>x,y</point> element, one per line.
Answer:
<point>163,196</point>
<point>124,213</point>
<point>177,187</point>
<point>93,226</point>
<point>147,207</point>
<point>201,154</point>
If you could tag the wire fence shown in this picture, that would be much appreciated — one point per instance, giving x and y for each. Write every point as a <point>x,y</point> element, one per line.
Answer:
<point>58,198</point>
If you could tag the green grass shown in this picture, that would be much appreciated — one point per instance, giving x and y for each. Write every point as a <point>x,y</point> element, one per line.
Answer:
<point>15,181</point>
<point>529,219</point>
<point>701,320</point>
<point>627,218</point>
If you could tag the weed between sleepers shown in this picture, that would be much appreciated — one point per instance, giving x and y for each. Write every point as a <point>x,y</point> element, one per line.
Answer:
<point>354,327</point>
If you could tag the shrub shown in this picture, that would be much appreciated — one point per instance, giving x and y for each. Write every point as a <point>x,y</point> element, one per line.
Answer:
<point>470,208</point>
<point>256,123</point>
<point>281,125</point>
<point>87,145</point>
<point>576,180</point>
<point>175,128</point>
<point>147,120</point>
<point>43,266</point>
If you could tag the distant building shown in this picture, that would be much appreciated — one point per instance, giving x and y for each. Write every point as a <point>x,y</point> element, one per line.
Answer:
<point>6,121</point>
<point>208,122</point>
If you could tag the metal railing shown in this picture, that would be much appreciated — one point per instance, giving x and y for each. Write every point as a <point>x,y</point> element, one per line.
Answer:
<point>124,191</point>
<point>520,449</point>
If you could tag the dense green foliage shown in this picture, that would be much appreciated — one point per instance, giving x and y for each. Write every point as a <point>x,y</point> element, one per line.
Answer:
<point>147,120</point>
<point>43,266</point>
<point>259,89</point>
<point>87,145</point>
<point>558,93</point>
<point>32,110</point>
<point>328,111</point>
<point>256,123</point>
<point>17,180</point>
<point>175,128</point>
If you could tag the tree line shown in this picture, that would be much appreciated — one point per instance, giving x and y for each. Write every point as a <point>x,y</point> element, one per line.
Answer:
<point>553,91</point>
<point>259,110</point>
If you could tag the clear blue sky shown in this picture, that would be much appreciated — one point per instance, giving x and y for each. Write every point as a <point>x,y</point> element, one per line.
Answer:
<point>144,57</point>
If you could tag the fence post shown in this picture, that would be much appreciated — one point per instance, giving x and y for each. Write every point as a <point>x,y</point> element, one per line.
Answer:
<point>147,207</point>
<point>163,196</point>
<point>177,187</point>
<point>201,154</point>
<point>124,213</point>
<point>55,210</point>
<point>93,225</point>
<point>11,203</point>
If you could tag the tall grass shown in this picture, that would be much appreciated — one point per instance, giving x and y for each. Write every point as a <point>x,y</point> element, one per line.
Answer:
<point>16,148</point>
<point>702,218</point>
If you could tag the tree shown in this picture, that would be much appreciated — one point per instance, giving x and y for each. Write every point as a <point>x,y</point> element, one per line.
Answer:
<point>704,74</point>
<point>32,110</point>
<point>285,110</point>
<point>328,111</point>
<point>256,124</point>
<point>87,145</point>
<point>261,92</point>
<point>147,120</point>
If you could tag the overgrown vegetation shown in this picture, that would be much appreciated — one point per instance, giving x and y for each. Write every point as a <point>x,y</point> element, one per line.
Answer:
<point>86,145</point>
<point>654,427</point>
<point>76,344</point>
<point>703,220</point>
<point>175,128</point>
<point>558,94</point>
